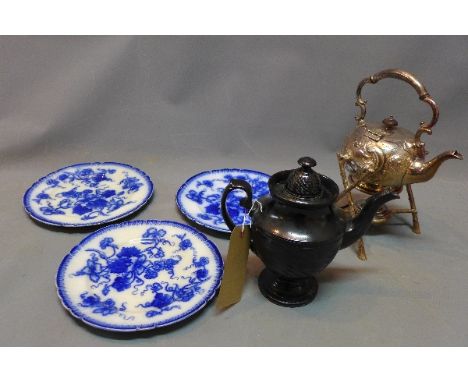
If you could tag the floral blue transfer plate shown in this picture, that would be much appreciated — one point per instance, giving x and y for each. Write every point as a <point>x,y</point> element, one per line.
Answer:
<point>199,198</point>
<point>139,275</point>
<point>88,194</point>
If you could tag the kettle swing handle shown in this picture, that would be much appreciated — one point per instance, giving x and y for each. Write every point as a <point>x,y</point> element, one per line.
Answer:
<point>245,202</point>
<point>423,94</point>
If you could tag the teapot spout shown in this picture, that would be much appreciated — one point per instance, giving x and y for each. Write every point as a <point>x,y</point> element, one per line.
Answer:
<point>361,223</point>
<point>424,171</point>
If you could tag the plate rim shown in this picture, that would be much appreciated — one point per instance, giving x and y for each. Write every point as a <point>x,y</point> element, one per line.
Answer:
<point>71,308</point>
<point>144,201</point>
<point>185,184</point>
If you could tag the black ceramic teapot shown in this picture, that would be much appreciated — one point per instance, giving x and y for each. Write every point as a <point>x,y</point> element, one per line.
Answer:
<point>297,231</point>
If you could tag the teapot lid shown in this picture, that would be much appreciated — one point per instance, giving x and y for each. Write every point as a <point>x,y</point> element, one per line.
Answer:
<point>303,186</point>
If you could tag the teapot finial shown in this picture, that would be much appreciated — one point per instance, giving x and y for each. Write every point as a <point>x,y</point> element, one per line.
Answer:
<point>307,163</point>
<point>303,186</point>
<point>304,182</point>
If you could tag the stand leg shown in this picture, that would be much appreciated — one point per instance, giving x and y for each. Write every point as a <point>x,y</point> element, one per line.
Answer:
<point>414,212</point>
<point>361,251</point>
<point>344,178</point>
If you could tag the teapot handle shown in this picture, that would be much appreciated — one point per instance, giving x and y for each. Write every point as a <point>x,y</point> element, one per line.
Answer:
<point>416,84</point>
<point>245,202</point>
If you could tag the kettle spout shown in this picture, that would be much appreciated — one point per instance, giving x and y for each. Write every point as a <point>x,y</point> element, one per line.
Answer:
<point>424,171</point>
<point>361,223</point>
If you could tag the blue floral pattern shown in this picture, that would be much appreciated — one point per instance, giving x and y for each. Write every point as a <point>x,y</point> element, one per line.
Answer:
<point>200,197</point>
<point>88,194</point>
<point>165,271</point>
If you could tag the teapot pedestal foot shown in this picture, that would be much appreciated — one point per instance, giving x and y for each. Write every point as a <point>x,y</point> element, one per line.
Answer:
<point>287,292</point>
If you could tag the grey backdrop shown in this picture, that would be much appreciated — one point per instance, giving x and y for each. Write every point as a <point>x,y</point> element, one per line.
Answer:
<point>174,106</point>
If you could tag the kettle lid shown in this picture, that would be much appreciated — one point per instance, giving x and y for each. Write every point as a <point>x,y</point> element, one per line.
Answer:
<point>303,186</point>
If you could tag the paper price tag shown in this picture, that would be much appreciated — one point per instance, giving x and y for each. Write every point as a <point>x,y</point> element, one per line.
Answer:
<point>235,268</point>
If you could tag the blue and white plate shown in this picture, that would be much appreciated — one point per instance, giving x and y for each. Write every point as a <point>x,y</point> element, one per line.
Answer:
<point>139,275</point>
<point>87,194</point>
<point>199,198</point>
